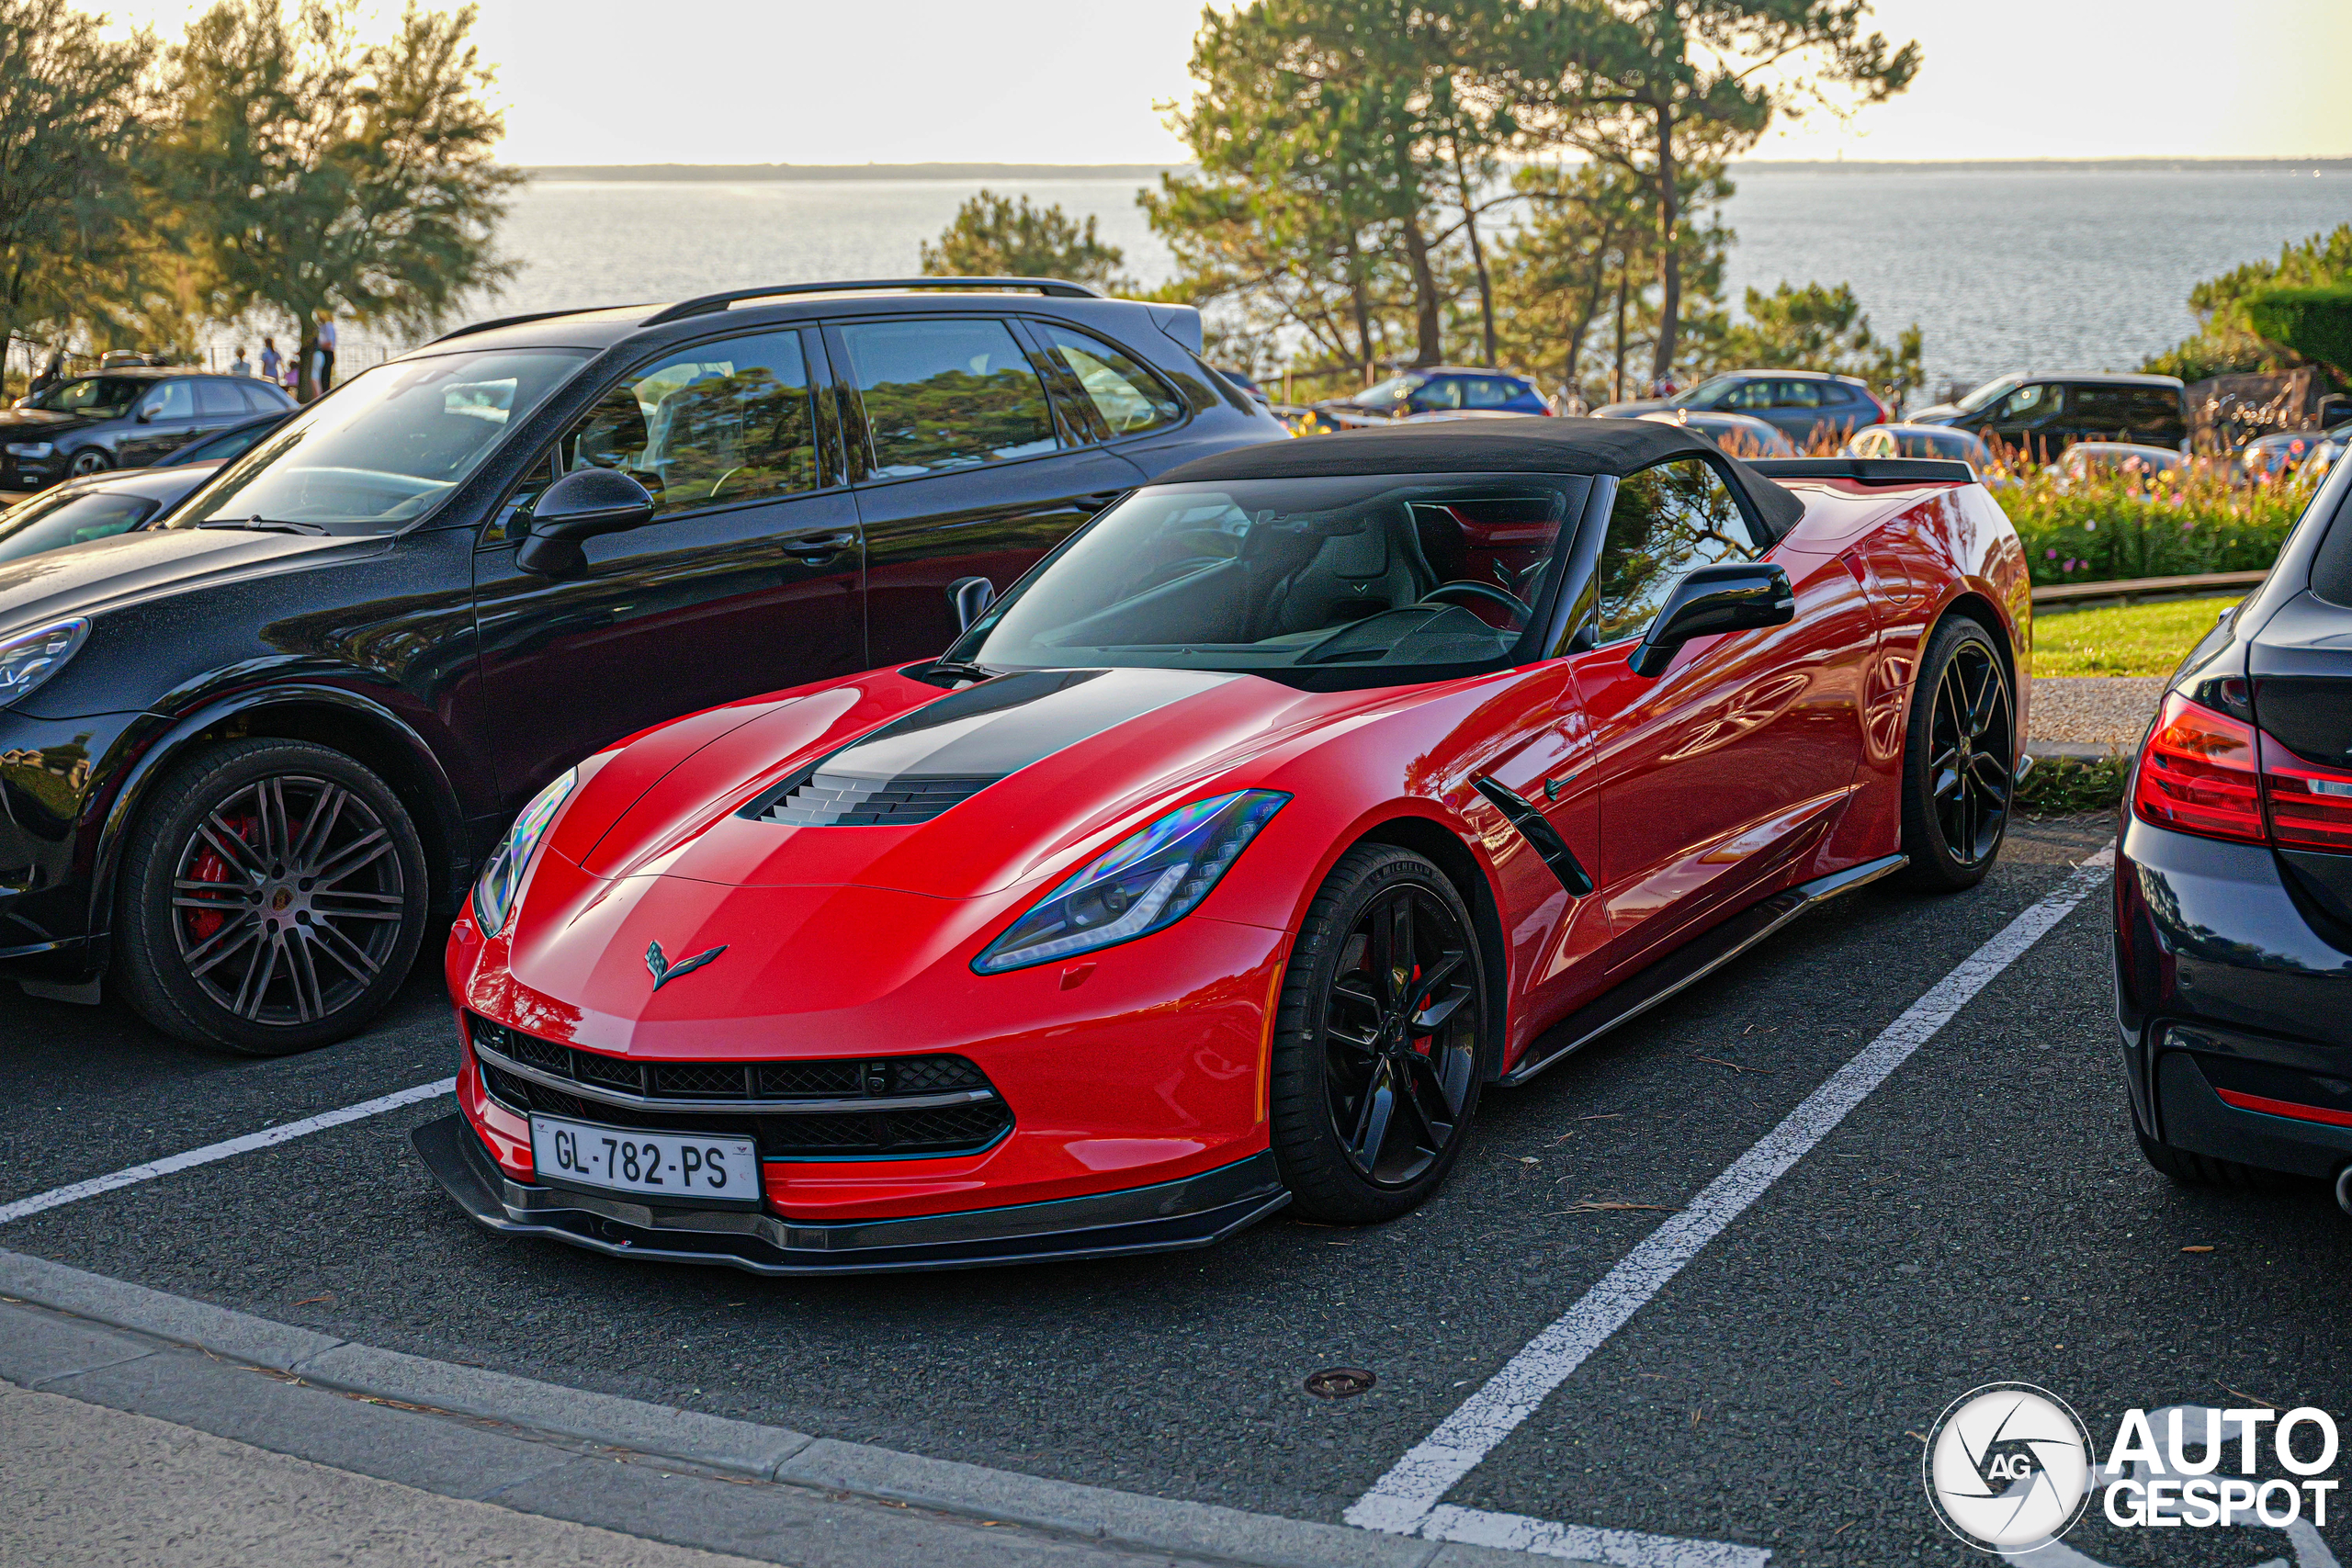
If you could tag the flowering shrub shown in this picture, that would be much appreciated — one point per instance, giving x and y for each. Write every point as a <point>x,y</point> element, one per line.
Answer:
<point>2105,525</point>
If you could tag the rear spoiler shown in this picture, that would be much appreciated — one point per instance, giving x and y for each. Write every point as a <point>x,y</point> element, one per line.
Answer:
<point>1868,470</point>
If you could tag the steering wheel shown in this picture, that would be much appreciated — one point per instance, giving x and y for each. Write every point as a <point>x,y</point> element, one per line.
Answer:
<point>1486,591</point>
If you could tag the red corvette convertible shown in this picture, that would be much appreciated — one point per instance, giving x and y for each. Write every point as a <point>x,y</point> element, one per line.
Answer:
<point>1223,863</point>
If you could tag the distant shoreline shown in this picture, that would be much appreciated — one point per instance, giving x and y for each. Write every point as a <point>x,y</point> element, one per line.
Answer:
<point>746,174</point>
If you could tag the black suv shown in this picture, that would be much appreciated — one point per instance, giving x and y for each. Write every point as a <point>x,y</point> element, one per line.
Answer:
<point>2046,414</point>
<point>122,419</point>
<point>248,757</point>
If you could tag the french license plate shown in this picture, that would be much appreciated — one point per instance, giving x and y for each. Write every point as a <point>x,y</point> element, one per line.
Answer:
<point>658,1165</point>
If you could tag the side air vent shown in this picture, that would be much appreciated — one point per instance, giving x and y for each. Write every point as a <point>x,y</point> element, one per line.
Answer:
<point>838,800</point>
<point>1537,829</point>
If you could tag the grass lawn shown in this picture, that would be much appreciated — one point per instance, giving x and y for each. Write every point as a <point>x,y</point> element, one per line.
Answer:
<point>2135,640</point>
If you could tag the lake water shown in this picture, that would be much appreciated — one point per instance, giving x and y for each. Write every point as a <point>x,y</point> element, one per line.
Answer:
<point>2004,267</point>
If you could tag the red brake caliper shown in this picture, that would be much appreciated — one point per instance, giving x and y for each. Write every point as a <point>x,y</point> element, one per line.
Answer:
<point>1420,1045</point>
<point>210,867</point>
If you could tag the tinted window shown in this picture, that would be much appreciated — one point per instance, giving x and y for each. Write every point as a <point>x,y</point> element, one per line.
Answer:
<point>218,400</point>
<point>1125,397</point>
<point>1265,574</point>
<point>227,444</point>
<point>1444,392</point>
<point>53,521</point>
<point>1666,519</point>
<point>1486,392</point>
<point>1748,395</point>
<point>2331,566</point>
<point>265,398</point>
<point>718,423</point>
<point>1838,392</point>
<point>170,400</point>
<point>103,396</point>
<point>2155,409</point>
<point>2038,400</point>
<point>946,395</point>
<point>389,444</point>
<point>1796,394</point>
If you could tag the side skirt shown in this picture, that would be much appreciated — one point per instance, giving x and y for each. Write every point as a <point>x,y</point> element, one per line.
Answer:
<point>1689,963</point>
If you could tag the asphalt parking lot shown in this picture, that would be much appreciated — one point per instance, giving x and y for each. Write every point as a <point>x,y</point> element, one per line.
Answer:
<point>1982,1215</point>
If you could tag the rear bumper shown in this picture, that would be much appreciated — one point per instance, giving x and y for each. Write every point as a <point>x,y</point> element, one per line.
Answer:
<point>2233,997</point>
<point>1171,1216</point>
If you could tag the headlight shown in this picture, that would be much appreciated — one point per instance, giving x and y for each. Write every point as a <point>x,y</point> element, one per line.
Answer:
<point>502,874</point>
<point>30,448</point>
<point>29,657</point>
<point>1152,879</point>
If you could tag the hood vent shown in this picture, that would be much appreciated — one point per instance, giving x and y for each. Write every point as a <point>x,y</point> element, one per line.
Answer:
<point>839,800</point>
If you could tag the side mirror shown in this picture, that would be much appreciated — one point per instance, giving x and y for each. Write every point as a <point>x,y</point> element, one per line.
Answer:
<point>145,415</point>
<point>579,506</point>
<point>971,596</point>
<point>1729,596</point>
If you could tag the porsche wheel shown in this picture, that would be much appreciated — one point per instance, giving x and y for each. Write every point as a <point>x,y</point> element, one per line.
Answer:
<point>1959,759</point>
<point>273,899</point>
<point>1376,1066</point>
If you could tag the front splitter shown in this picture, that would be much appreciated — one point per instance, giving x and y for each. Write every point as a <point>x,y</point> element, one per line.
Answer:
<point>1198,1211</point>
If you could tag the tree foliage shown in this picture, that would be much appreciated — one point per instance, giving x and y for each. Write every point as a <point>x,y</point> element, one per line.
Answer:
<point>2227,341</point>
<point>994,236</point>
<point>2316,324</point>
<point>310,173</point>
<point>74,122</point>
<point>1821,327</point>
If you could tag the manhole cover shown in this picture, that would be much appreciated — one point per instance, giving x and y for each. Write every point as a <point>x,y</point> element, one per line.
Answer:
<point>1338,1383</point>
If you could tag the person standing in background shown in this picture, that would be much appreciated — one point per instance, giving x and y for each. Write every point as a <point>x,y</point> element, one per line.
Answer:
<point>272,367</point>
<point>241,365</point>
<point>322,363</point>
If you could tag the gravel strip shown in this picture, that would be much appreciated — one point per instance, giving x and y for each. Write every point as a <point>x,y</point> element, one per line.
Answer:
<point>2098,709</point>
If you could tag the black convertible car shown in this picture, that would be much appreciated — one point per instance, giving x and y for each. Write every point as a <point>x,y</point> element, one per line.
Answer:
<point>325,683</point>
<point>2234,883</point>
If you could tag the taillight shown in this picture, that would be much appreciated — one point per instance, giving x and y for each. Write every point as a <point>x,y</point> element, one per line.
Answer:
<point>2311,808</point>
<point>2198,774</point>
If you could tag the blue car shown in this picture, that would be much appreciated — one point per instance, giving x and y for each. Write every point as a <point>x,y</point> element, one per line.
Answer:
<point>1437,388</point>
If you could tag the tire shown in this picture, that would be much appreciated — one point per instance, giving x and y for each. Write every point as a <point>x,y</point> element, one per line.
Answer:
<point>1344,1031</point>
<point>1959,759</point>
<point>87,461</point>
<point>2204,1170</point>
<point>274,961</point>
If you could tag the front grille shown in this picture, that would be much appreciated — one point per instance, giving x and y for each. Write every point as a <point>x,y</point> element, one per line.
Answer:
<point>781,1133</point>
<point>838,800</point>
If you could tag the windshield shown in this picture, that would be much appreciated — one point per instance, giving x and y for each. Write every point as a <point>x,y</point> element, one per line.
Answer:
<point>52,522</point>
<point>1706,394</point>
<point>1987,392</point>
<point>103,397</point>
<point>1395,574</point>
<point>1389,394</point>
<point>388,445</point>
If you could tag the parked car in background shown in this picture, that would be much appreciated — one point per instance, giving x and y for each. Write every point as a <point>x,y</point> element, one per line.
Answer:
<point>234,441</point>
<point>2085,458</point>
<point>1909,440</point>
<point>1434,388</point>
<point>1806,406</point>
<point>2268,457</point>
<point>2045,414</point>
<point>1741,435</point>
<point>98,508</point>
<point>1243,379</point>
<point>326,685</point>
<point>122,419</point>
<point>2234,883</point>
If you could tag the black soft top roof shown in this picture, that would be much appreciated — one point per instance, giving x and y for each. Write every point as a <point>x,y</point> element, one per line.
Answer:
<point>1533,445</point>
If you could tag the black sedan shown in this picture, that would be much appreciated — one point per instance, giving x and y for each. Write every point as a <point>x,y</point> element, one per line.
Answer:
<point>2234,883</point>
<point>82,510</point>
<point>123,419</point>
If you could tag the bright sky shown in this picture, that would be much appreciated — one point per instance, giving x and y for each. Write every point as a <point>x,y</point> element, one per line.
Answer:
<point>1075,81</point>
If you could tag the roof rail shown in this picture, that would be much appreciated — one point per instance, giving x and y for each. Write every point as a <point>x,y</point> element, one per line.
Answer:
<point>496,322</point>
<point>1867,470</point>
<point>705,304</point>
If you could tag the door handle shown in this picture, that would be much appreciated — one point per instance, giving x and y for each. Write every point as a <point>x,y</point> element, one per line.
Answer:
<point>815,549</point>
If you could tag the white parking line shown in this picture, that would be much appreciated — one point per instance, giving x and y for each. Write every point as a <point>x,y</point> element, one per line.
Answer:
<point>58,1196</point>
<point>1408,1499</point>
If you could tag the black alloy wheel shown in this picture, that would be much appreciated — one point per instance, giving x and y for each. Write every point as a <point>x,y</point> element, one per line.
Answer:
<point>1378,1046</point>
<point>88,461</point>
<point>1960,760</point>
<point>274,898</point>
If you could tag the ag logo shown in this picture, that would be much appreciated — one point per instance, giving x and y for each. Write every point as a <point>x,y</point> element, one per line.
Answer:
<point>2007,1466</point>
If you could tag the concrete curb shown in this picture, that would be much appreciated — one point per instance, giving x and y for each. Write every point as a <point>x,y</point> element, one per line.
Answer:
<point>1129,1521</point>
